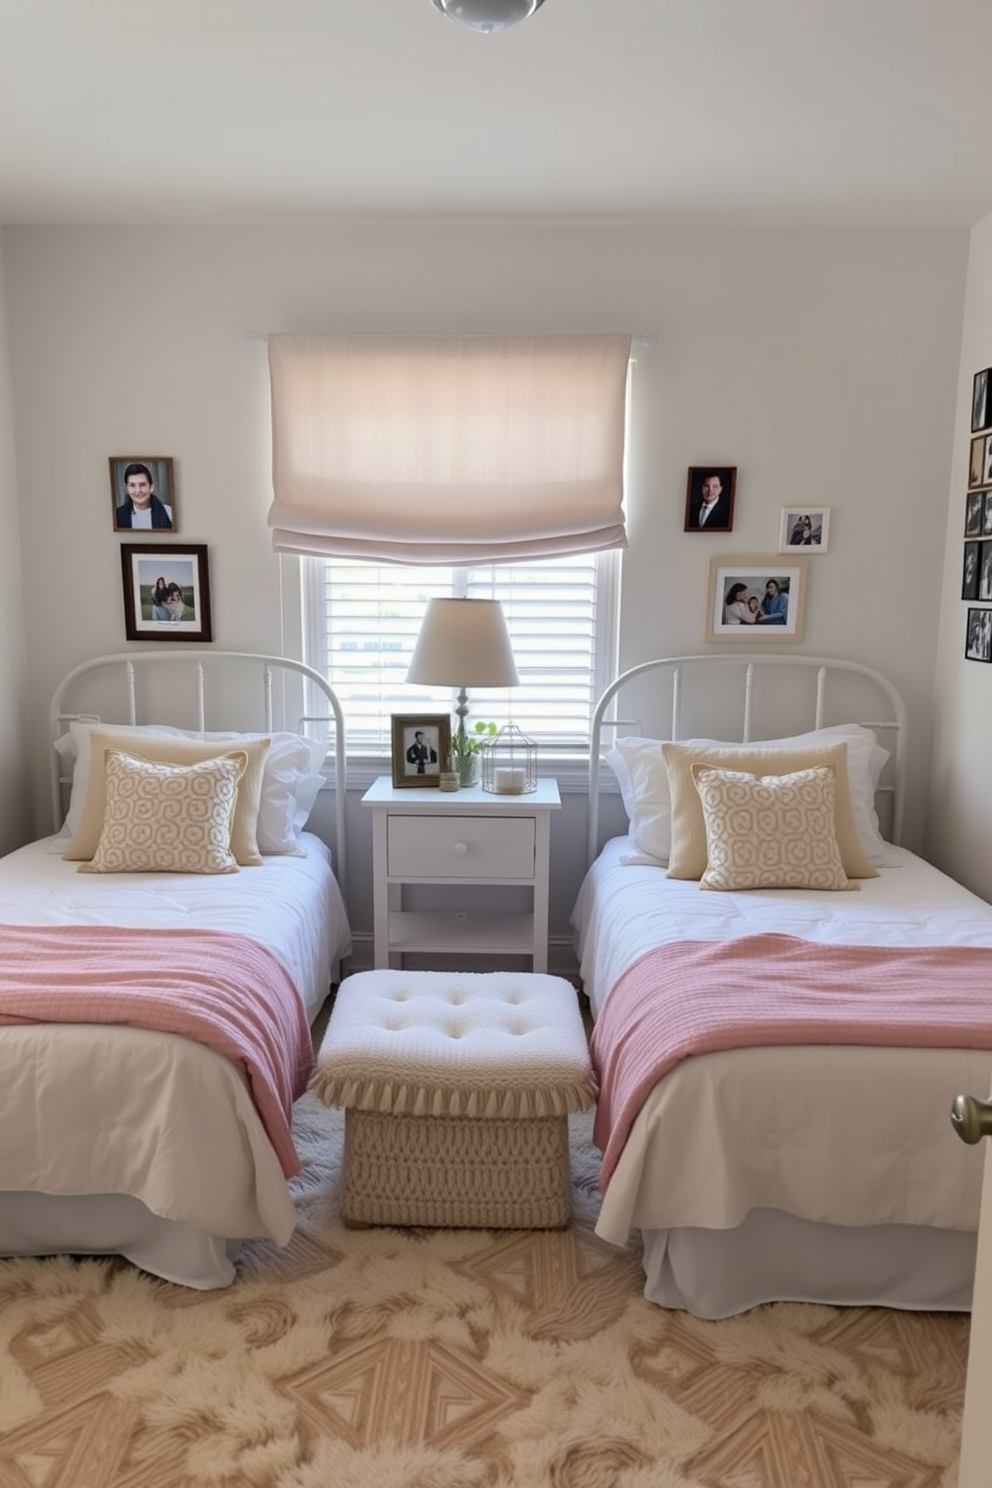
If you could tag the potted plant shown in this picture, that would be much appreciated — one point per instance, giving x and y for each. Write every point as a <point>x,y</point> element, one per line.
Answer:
<point>466,750</point>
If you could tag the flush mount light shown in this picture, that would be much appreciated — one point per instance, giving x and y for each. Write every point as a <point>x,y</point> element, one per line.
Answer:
<point>488,15</point>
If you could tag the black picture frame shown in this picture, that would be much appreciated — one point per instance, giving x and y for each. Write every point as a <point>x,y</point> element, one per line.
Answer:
<point>159,470</point>
<point>978,636</point>
<point>983,587</point>
<point>423,771</point>
<point>976,462</point>
<point>184,567</point>
<point>974,513</point>
<point>722,517</point>
<point>970,570</point>
<point>981,402</point>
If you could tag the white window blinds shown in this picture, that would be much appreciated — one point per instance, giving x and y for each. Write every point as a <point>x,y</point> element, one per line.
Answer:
<point>447,450</point>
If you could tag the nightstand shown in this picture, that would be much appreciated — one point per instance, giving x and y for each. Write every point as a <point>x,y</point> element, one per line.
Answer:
<point>469,839</point>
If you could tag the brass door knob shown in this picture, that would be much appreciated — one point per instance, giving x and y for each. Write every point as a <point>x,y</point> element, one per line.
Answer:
<point>971,1118</point>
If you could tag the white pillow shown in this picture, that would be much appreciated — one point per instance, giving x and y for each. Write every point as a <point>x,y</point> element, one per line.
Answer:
<point>642,777</point>
<point>291,778</point>
<point>643,780</point>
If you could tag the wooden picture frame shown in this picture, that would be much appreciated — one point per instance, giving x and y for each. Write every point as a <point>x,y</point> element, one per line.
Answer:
<point>700,483</point>
<point>808,530</point>
<point>148,480</point>
<point>166,592</point>
<point>421,749</point>
<point>734,582</point>
<point>978,636</point>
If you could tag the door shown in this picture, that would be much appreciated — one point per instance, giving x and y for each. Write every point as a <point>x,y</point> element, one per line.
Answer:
<point>976,1434</point>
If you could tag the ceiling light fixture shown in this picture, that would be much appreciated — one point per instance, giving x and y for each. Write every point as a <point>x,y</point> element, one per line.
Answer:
<point>488,15</point>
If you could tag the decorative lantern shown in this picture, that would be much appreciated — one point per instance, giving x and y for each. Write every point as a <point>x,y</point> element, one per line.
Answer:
<point>509,763</point>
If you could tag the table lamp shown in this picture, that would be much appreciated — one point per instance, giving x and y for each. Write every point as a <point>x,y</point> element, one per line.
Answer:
<point>463,643</point>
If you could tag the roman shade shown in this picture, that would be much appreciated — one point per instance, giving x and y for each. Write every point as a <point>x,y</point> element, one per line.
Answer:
<point>447,450</point>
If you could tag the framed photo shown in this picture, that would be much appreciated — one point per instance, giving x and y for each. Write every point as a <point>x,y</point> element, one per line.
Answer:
<point>970,570</point>
<point>973,513</point>
<point>709,498</point>
<point>807,530</point>
<point>976,462</point>
<point>143,493</point>
<point>166,592</point>
<point>756,599</point>
<point>981,405</point>
<point>421,746</point>
<point>978,640</point>
<point>984,589</point>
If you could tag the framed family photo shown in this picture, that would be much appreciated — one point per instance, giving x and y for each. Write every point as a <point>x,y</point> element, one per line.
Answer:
<point>421,746</point>
<point>166,592</point>
<point>756,599</point>
<point>973,514</point>
<point>809,530</point>
<point>143,493</point>
<point>709,498</point>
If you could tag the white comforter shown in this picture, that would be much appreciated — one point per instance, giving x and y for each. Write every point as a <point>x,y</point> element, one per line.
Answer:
<point>94,1110</point>
<point>853,1136</point>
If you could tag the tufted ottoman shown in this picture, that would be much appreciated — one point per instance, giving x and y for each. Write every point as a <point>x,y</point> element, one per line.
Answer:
<point>456,1088</point>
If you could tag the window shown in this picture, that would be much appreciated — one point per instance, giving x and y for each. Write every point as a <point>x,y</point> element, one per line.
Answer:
<point>363,620</point>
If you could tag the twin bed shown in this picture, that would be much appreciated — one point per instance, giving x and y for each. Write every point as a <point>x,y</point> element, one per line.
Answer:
<point>126,1132</point>
<point>778,1064</point>
<point>793,1141</point>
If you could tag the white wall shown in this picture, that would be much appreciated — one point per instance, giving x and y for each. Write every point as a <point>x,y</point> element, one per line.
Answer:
<point>959,822</point>
<point>16,824</point>
<point>824,365</point>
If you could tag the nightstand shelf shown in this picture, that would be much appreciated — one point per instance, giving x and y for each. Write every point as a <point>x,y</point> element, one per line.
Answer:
<point>468,840</point>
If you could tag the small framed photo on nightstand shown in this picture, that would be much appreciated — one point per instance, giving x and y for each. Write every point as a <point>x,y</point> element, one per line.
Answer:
<point>421,748</point>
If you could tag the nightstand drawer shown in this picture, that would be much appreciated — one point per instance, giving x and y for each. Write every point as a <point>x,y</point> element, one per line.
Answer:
<point>452,847</point>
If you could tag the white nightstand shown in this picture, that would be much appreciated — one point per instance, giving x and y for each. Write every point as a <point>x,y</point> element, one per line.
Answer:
<point>470,838</point>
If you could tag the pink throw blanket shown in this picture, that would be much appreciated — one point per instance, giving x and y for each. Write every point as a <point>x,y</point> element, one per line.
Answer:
<point>220,989</point>
<point>699,997</point>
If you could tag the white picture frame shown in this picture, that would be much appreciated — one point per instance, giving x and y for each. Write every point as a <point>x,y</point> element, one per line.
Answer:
<point>807,530</point>
<point>735,582</point>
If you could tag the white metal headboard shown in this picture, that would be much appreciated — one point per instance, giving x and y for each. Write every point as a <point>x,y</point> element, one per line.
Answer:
<point>199,665</point>
<point>890,723</point>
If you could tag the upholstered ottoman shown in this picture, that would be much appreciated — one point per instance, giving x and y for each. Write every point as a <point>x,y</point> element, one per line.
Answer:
<point>456,1089</point>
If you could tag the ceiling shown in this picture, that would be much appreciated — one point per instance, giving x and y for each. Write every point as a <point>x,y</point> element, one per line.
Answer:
<point>709,112</point>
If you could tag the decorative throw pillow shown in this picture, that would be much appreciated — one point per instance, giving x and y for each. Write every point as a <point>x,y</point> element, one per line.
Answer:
<point>165,749</point>
<point>291,778</point>
<point>770,832</point>
<point>688,856</point>
<point>162,818</point>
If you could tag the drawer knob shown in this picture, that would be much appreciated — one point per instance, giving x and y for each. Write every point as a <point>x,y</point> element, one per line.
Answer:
<point>461,849</point>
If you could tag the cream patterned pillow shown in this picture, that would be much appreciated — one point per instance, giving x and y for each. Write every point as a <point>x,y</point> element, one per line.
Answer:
<point>165,749</point>
<point>688,855</point>
<point>162,818</point>
<point>770,832</point>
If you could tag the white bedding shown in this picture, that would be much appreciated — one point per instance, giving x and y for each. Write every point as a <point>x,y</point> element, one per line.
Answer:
<point>848,1136</point>
<point>90,1111</point>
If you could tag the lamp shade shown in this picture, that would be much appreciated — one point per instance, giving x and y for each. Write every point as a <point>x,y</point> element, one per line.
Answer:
<point>463,643</point>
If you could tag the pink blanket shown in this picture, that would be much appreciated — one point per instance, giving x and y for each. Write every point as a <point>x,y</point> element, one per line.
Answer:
<point>222,990</point>
<point>698,997</point>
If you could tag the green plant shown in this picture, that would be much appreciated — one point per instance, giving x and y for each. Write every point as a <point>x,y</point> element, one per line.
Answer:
<point>465,747</point>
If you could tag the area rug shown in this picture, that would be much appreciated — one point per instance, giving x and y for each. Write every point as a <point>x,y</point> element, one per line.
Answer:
<point>458,1359</point>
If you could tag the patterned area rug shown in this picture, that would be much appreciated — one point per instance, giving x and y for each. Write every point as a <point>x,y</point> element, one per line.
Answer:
<point>461,1359</point>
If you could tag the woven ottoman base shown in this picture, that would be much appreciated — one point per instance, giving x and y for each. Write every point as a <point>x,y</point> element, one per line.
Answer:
<point>456,1171</point>
<point>456,1088</point>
